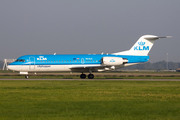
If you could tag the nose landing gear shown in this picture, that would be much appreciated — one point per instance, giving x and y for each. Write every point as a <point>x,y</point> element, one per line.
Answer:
<point>26,76</point>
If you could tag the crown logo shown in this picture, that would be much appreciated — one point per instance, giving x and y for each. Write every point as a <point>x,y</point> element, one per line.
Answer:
<point>141,43</point>
<point>112,60</point>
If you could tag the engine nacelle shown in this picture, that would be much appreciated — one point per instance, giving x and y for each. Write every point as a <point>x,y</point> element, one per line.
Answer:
<point>113,61</point>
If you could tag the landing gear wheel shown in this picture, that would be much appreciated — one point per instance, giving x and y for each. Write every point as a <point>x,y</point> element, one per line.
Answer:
<point>26,76</point>
<point>83,76</point>
<point>90,76</point>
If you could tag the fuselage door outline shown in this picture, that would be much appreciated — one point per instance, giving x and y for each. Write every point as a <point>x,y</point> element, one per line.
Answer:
<point>82,60</point>
<point>31,63</point>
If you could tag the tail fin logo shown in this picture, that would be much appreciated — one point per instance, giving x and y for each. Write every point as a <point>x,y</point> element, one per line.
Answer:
<point>141,43</point>
<point>141,46</point>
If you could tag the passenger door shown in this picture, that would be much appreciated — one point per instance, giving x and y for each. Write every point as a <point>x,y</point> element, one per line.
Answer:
<point>82,60</point>
<point>31,63</point>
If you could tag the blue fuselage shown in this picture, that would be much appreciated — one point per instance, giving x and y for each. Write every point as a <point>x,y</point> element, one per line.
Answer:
<point>77,59</point>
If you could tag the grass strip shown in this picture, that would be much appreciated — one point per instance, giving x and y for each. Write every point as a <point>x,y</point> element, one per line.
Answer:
<point>92,100</point>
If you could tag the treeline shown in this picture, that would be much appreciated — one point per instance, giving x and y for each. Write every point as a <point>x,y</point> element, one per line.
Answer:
<point>161,65</point>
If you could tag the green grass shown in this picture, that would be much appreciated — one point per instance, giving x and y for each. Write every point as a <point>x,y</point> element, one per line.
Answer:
<point>90,100</point>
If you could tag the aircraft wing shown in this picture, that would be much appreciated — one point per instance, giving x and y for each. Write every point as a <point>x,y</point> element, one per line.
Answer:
<point>85,66</point>
<point>95,68</point>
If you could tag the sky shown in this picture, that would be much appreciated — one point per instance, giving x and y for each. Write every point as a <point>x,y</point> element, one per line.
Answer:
<point>88,26</point>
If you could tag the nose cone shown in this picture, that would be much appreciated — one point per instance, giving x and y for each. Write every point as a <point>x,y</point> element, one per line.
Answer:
<point>10,67</point>
<point>15,67</point>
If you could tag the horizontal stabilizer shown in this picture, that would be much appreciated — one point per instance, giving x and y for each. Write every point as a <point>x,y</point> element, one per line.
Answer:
<point>155,37</point>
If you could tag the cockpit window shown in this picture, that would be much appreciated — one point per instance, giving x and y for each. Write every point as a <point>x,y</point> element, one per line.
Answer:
<point>20,60</point>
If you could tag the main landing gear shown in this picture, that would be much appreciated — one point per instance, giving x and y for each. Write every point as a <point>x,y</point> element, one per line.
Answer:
<point>83,76</point>
<point>90,76</point>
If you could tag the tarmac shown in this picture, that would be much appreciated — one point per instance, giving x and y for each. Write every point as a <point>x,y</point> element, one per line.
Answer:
<point>97,79</point>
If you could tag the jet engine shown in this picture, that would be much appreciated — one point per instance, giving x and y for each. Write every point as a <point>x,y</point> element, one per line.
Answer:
<point>113,61</point>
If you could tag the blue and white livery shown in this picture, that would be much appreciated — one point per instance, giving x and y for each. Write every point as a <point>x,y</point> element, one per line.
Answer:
<point>86,62</point>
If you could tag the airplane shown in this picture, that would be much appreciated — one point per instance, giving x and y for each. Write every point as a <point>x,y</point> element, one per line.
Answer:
<point>86,62</point>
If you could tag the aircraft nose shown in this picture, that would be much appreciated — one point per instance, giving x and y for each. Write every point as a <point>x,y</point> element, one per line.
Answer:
<point>10,67</point>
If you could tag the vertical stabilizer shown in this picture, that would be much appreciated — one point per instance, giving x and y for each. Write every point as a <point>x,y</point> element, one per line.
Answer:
<point>142,46</point>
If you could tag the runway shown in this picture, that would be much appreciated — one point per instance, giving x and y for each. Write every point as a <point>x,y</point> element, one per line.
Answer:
<point>97,79</point>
